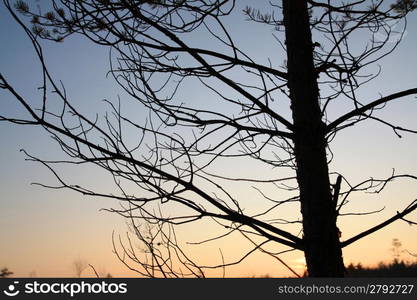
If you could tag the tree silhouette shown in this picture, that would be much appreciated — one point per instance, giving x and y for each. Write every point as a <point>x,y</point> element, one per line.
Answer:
<point>396,249</point>
<point>260,115</point>
<point>158,254</point>
<point>79,266</point>
<point>5,273</point>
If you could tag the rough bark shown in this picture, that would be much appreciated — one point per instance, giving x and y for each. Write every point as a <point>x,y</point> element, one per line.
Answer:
<point>321,236</point>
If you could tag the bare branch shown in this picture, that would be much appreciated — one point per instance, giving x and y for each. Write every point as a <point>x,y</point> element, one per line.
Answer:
<point>398,216</point>
<point>362,110</point>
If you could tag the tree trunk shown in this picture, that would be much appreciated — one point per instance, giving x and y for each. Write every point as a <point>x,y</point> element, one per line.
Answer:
<point>321,235</point>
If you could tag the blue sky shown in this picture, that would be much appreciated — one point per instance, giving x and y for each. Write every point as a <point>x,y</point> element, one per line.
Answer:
<point>46,230</point>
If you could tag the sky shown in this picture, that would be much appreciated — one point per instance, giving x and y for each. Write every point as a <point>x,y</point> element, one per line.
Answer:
<point>42,231</point>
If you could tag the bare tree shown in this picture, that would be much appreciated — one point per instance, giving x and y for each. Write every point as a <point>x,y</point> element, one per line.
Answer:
<point>79,266</point>
<point>5,273</point>
<point>396,249</point>
<point>33,274</point>
<point>261,115</point>
<point>158,253</point>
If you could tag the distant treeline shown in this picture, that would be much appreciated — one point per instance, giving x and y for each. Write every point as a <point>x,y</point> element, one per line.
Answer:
<point>396,268</point>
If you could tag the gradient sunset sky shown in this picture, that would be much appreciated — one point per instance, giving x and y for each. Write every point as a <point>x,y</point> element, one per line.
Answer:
<point>42,232</point>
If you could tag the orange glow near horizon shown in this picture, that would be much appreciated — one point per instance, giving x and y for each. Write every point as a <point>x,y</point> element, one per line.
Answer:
<point>52,255</point>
